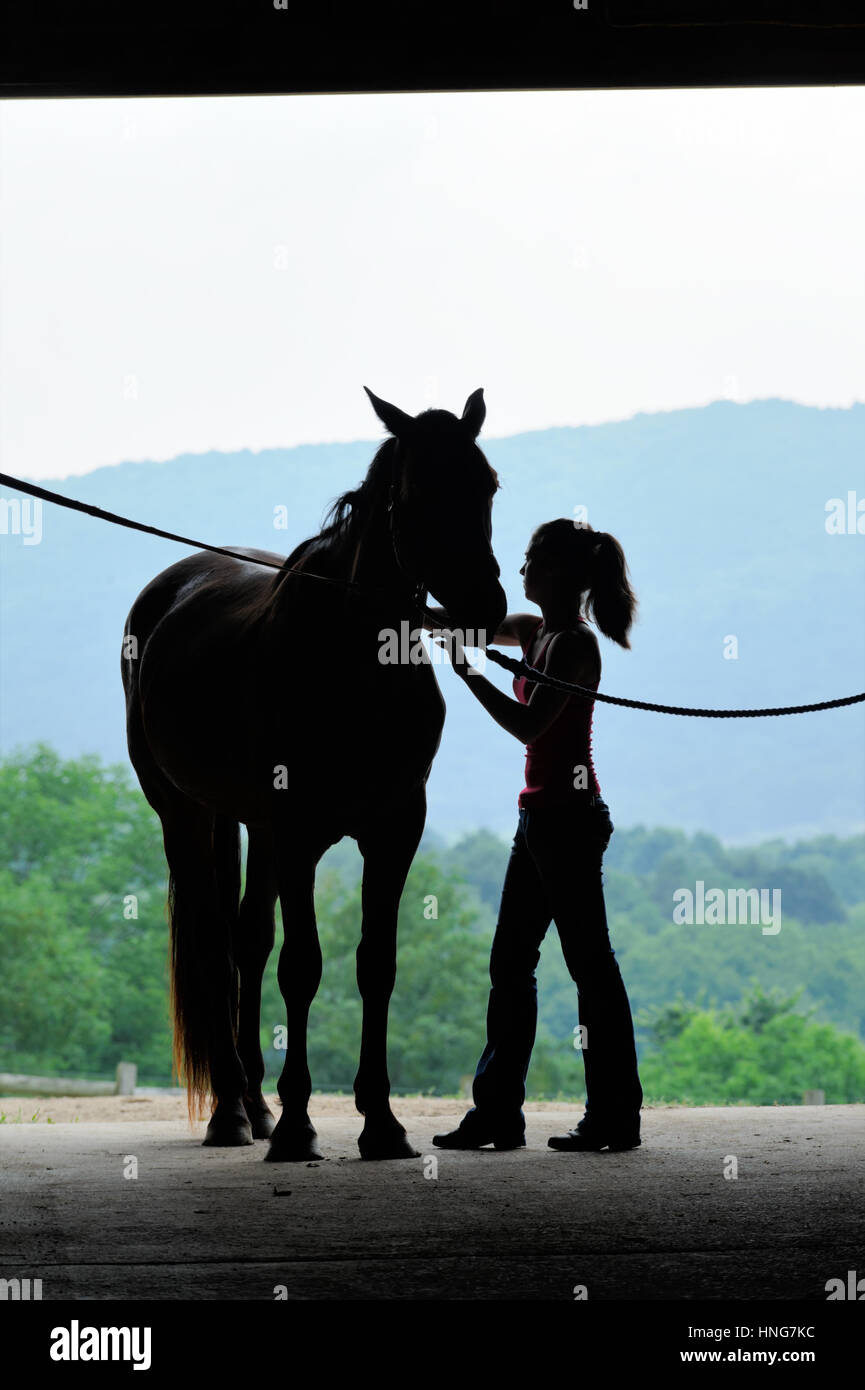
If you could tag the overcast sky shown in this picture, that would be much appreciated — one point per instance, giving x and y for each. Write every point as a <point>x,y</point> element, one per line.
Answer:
<point>185,274</point>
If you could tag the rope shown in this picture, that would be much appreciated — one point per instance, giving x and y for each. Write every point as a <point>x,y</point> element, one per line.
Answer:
<point>522,668</point>
<point>519,668</point>
<point>116,520</point>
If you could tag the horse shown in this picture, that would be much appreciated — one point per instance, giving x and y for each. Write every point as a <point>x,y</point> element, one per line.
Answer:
<point>262,696</point>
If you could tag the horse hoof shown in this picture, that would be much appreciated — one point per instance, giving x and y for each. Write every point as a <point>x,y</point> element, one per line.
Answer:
<point>227,1134</point>
<point>298,1147</point>
<point>386,1144</point>
<point>262,1122</point>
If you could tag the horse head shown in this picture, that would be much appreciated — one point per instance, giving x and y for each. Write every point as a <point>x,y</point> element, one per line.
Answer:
<point>441,496</point>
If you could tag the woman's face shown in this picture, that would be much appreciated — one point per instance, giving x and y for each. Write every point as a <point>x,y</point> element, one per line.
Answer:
<point>542,581</point>
<point>533,573</point>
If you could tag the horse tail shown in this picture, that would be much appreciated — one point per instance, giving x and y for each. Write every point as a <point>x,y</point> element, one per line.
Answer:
<point>203,903</point>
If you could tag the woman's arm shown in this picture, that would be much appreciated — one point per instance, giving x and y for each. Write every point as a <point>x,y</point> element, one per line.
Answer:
<point>571,656</point>
<point>516,629</point>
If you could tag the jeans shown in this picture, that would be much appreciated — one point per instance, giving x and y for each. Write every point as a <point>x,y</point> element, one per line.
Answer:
<point>555,874</point>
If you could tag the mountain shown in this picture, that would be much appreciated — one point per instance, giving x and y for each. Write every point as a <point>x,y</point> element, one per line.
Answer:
<point>722,512</point>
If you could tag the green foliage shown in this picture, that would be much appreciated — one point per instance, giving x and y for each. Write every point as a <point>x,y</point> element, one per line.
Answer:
<point>723,1013</point>
<point>82,986</point>
<point>760,1054</point>
<point>821,950</point>
<point>481,858</point>
<point>51,984</point>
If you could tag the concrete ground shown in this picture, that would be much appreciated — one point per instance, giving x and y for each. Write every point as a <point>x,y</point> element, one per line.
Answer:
<point>662,1222</point>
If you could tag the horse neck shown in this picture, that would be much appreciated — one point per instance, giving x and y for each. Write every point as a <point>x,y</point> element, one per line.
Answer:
<point>363,558</point>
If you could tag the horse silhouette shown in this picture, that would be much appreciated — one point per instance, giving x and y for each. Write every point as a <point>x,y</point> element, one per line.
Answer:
<point>261,697</point>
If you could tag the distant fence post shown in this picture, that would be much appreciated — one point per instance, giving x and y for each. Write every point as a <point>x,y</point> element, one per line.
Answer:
<point>814,1098</point>
<point>127,1076</point>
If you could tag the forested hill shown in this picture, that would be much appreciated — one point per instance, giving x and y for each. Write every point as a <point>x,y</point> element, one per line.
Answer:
<point>722,512</point>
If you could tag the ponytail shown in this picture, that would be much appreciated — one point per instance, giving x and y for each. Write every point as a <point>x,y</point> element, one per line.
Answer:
<point>610,598</point>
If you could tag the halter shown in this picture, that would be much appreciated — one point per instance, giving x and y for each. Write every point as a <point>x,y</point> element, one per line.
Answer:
<point>417,587</point>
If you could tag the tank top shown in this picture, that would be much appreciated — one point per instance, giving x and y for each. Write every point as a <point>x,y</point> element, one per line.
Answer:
<point>551,758</point>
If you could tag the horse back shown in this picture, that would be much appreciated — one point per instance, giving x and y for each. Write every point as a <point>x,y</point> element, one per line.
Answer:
<point>258,698</point>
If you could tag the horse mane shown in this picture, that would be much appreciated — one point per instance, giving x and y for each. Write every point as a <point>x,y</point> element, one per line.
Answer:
<point>354,506</point>
<point>348,513</point>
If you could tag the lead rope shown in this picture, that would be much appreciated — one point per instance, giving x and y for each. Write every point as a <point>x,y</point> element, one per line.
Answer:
<point>522,668</point>
<point>519,668</point>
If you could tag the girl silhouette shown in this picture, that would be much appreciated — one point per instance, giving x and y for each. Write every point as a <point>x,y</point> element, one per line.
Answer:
<point>555,867</point>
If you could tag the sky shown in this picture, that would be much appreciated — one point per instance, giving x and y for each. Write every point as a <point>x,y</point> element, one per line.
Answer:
<point>186,274</point>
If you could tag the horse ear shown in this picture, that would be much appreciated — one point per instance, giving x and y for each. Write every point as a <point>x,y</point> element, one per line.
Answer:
<point>475,412</point>
<point>391,416</point>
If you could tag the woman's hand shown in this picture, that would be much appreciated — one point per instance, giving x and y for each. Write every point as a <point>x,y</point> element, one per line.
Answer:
<point>567,659</point>
<point>450,641</point>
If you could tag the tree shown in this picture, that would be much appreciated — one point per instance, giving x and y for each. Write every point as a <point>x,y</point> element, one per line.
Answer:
<point>83,934</point>
<point>760,1054</point>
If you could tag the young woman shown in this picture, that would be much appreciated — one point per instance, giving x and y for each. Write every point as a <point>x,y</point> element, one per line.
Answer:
<point>555,868</point>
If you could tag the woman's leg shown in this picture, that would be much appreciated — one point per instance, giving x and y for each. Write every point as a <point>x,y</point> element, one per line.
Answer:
<point>568,850</point>
<point>525,914</point>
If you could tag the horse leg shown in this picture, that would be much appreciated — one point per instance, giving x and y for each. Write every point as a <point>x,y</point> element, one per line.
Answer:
<point>253,945</point>
<point>387,851</point>
<point>299,974</point>
<point>203,860</point>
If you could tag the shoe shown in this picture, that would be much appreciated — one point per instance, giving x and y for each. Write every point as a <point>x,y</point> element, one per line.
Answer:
<point>590,1137</point>
<point>471,1135</point>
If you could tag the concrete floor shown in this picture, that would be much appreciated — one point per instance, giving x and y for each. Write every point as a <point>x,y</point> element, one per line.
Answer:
<point>658,1223</point>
